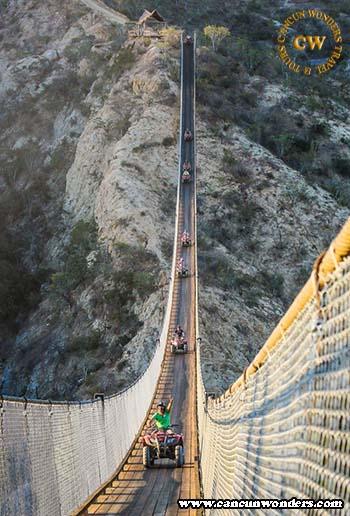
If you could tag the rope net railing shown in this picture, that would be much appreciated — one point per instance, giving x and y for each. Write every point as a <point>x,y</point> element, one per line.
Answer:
<point>52,456</point>
<point>283,429</point>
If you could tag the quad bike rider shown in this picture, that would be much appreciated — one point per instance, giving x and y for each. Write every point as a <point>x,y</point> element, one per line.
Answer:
<point>186,165</point>
<point>179,331</point>
<point>162,417</point>
<point>186,176</point>
<point>162,442</point>
<point>181,270</point>
<point>179,344</point>
<point>187,135</point>
<point>185,239</point>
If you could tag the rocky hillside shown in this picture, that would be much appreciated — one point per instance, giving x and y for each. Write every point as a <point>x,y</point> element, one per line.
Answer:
<point>274,157</point>
<point>87,187</point>
<point>261,226</point>
<point>88,147</point>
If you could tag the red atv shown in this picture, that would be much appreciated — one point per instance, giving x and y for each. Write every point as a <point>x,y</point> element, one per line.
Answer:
<point>181,269</point>
<point>179,344</point>
<point>163,444</point>
<point>185,239</point>
<point>188,135</point>
<point>186,166</point>
<point>186,177</point>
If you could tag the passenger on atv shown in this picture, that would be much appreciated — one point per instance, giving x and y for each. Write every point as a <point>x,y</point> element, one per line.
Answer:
<point>180,268</point>
<point>179,343</point>
<point>179,331</point>
<point>162,442</point>
<point>185,239</point>
<point>188,135</point>
<point>186,165</point>
<point>186,177</point>
<point>162,418</point>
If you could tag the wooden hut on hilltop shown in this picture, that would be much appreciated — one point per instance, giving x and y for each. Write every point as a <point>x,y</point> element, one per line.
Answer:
<point>149,25</point>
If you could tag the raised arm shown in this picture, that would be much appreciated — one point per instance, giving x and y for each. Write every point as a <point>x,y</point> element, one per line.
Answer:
<point>170,405</point>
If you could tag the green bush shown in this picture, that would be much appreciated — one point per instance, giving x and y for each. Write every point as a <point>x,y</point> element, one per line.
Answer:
<point>129,281</point>
<point>24,199</point>
<point>79,49</point>
<point>314,103</point>
<point>174,70</point>
<point>168,141</point>
<point>167,202</point>
<point>83,240</point>
<point>296,193</point>
<point>228,160</point>
<point>19,289</point>
<point>215,269</point>
<point>63,89</point>
<point>252,297</point>
<point>123,62</point>
<point>170,37</point>
<point>231,223</point>
<point>342,166</point>
<point>337,188</point>
<point>320,129</point>
<point>128,284</point>
<point>62,157</point>
<point>84,343</point>
<point>237,170</point>
<point>118,127</point>
<point>271,282</point>
<point>167,248</point>
<point>246,212</point>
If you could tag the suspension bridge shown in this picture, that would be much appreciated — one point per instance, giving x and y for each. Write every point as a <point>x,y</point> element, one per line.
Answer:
<point>280,432</point>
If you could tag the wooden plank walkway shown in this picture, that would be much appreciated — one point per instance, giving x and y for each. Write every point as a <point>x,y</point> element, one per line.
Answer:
<point>155,491</point>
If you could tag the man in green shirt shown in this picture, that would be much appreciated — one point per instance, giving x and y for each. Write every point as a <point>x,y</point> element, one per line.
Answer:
<point>162,416</point>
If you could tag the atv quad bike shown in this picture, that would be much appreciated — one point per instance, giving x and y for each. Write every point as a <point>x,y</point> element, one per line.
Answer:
<point>185,240</point>
<point>186,177</point>
<point>163,444</point>
<point>188,136</point>
<point>179,344</point>
<point>181,271</point>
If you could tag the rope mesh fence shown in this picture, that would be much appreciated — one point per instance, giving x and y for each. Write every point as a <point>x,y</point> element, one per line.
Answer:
<point>52,456</point>
<point>284,432</point>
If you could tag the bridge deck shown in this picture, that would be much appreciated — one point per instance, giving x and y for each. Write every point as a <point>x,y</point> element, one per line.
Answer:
<point>155,491</point>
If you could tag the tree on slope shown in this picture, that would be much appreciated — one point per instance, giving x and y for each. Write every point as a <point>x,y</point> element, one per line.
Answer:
<point>216,34</point>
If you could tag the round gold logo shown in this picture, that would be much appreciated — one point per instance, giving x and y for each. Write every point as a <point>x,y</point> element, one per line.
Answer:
<point>309,42</point>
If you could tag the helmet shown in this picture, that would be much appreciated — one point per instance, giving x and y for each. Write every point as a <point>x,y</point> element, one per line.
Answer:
<point>161,404</point>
